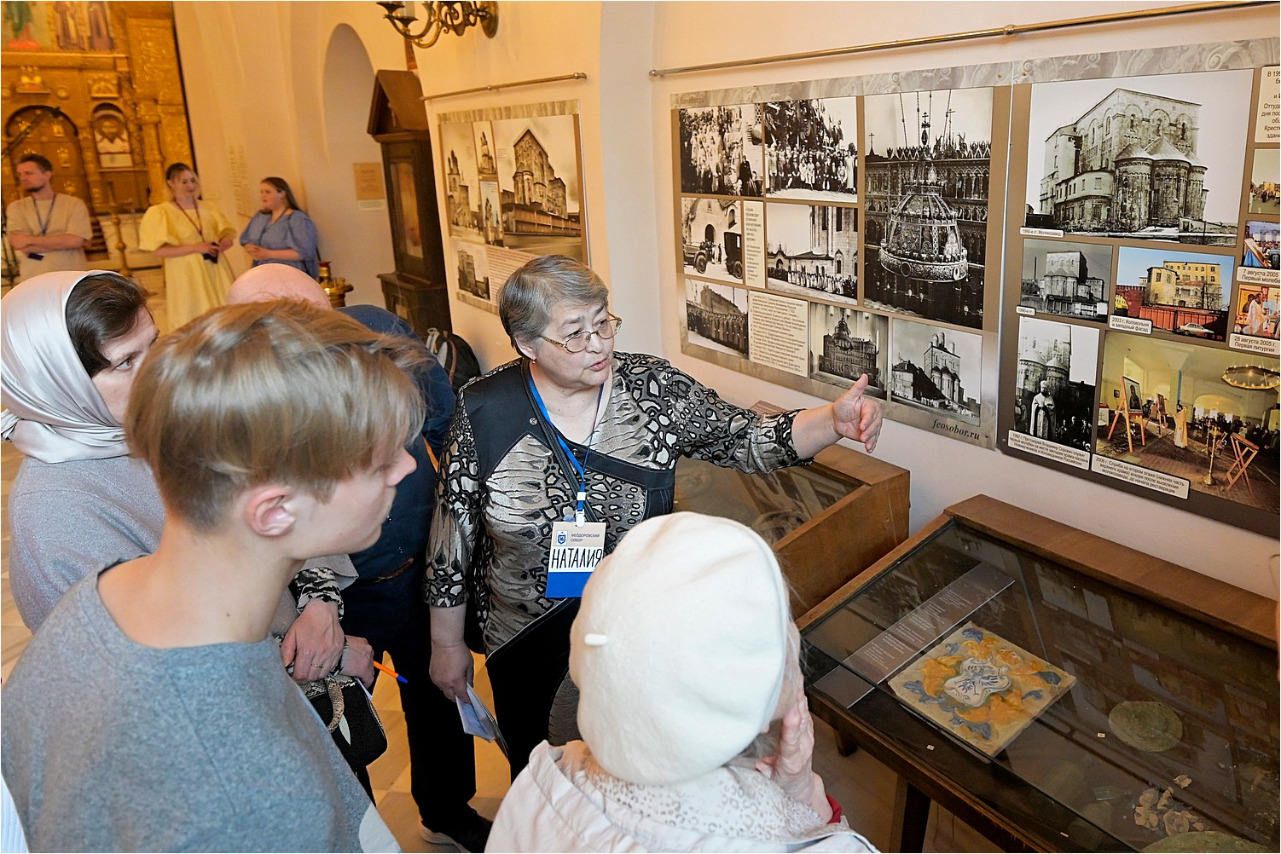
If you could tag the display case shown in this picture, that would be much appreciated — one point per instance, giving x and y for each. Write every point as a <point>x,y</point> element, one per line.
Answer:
<point>1055,690</point>
<point>827,522</point>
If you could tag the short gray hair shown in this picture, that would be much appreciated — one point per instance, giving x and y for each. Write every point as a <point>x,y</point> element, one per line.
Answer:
<point>529,295</point>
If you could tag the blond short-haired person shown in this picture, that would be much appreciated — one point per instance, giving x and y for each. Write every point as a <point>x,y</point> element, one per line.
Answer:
<point>150,712</point>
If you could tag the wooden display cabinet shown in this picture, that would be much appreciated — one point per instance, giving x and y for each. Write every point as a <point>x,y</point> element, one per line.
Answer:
<point>1168,725</point>
<point>826,522</point>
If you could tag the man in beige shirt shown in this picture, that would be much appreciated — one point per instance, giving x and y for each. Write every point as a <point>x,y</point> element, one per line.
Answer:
<point>50,230</point>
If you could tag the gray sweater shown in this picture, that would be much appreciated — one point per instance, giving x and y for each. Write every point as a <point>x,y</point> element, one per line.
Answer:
<point>113,746</point>
<point>71,519</point>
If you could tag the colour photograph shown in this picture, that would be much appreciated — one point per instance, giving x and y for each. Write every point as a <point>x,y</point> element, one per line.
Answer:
<point>1181,292</point>
<point>1200,414</point>
<point>1262,249</point>
<point>1128,158</point>
<point>1263,181</point>
<point>1256,313</point>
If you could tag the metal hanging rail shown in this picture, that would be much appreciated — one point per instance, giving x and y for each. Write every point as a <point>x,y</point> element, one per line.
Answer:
<point>1007,30</point>
<point>577,75</point>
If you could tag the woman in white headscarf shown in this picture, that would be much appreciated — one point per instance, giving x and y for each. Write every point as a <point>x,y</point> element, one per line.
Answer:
<point>70,347</point>
<point>64,415</point>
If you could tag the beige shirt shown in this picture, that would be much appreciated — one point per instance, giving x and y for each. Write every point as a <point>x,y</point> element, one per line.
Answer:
<point>69,216</point>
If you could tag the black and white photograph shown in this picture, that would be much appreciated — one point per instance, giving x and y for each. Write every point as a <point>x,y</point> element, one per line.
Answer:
<point>1126,157</point>
<point>1182,292</point>
<point>936,369</point>
<point>812,250</point>
<point>462,181</point>
<point>1067,279</point>
<point>491,209</point>
<point>716,317</point>
<point>811,149</point>
<point>722,150</point>
<point>846,343</point>
<point>1263,181</point>
<point>1200,411</point>
<point>473,271</point>
<point>540,182</point>
<point>712,238</point>
<point>1054,384</point>
<point>928,167</point>
<point>483,141</point>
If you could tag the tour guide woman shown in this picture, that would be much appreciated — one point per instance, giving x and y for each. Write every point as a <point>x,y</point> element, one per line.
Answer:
<point>574,437</point>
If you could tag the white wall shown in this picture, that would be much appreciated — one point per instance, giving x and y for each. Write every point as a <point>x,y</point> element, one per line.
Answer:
<point>943,471</point>
<point>626,134</point>
<point>290,85</point>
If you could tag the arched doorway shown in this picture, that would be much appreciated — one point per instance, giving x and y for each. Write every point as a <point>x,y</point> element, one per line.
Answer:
<point>49,132</point>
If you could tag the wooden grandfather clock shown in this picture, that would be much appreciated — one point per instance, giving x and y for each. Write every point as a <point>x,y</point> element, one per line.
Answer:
<point>417,290</point>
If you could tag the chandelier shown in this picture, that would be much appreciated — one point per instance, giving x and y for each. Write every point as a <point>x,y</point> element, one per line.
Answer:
<point>441,17</point>
<point>1252,377</point>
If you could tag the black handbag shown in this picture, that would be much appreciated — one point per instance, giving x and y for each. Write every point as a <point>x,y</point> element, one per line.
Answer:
<point>350,717</point>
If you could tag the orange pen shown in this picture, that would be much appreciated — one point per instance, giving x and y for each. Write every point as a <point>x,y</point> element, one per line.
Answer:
<point>385,669</point>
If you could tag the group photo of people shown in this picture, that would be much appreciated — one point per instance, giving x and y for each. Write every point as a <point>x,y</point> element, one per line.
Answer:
<point>276,500</point>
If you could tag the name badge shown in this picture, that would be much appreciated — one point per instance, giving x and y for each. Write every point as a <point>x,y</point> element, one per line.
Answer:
<point>574,554</point>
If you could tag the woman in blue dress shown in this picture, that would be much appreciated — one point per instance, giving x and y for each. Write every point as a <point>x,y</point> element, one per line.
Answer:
<point>280,233</point>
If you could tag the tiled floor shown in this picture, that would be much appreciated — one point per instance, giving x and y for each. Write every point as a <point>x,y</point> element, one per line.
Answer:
<point>863,786</point>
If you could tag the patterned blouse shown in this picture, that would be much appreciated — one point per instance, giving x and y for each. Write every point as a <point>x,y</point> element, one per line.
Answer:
<point>502,488</point>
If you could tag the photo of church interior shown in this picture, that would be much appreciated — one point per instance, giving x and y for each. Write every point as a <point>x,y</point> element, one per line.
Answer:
<point>178,146</point>
<point>1191,401</point>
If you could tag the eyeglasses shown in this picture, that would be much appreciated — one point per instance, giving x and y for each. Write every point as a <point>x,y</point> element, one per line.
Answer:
<point>577,342</point>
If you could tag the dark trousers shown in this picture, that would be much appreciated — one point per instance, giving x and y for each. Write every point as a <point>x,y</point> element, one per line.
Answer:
<point>392,616</point>
<point>525,676</point>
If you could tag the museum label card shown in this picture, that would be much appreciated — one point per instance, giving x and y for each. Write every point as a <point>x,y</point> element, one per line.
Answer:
<point>1255,276</point>
<point>754,244</point>
<point>1267,125</point>
<point>1130,324</point>
<point>1041,232</point>
<point>1251,344</point>
<point>778,334</point>
<point>1069,456</point>
<point>1146,478</point>
<point>927,622</point>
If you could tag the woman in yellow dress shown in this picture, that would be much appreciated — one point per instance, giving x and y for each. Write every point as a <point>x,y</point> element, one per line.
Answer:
<point>191,236</point>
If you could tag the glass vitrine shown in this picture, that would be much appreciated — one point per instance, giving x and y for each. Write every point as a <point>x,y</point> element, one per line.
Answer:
<point>1068,710</point>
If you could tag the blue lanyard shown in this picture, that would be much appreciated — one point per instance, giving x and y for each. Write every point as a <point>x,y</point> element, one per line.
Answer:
<point>580,511</point>
<point>44,225</point>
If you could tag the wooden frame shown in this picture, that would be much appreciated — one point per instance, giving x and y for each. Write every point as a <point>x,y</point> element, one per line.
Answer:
<point>1128,416</point>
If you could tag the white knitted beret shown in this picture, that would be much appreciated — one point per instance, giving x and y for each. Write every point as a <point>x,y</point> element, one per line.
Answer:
<point>679,649</point>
